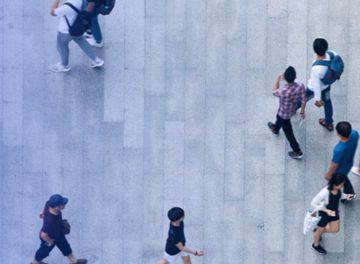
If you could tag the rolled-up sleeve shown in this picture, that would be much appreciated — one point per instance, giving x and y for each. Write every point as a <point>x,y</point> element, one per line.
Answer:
<point>62,10</point>
<point>279,92</point>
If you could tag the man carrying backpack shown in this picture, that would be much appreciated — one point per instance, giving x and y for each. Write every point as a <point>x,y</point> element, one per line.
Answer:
<point>326,69</point>
<point>72,25</point>
<point>96,7</point>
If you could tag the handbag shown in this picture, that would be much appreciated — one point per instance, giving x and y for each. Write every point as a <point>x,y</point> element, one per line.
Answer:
<point>311,220</point>
<point>65,227</point>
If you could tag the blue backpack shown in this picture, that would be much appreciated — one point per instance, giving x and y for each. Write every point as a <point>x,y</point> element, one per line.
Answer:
<point>335,68</point>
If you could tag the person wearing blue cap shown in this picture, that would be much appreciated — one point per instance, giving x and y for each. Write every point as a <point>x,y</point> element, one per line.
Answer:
<point>175,244</point>
<point>52,232</point>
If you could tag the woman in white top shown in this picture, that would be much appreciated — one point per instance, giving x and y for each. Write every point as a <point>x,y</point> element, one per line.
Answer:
<point>326,202</point>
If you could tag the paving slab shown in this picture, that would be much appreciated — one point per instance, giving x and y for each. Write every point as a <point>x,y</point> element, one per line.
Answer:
<point>176,117</point>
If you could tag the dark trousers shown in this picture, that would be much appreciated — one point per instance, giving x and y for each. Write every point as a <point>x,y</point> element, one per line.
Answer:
<point>348,188</point>
<point>285,124</point>
<point>45,250</point>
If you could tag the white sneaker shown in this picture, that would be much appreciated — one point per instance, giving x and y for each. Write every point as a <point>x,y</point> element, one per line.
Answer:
<point>96,63</point>
<point>58,67</point>
<point>94,43</point>
<point>88,35</point>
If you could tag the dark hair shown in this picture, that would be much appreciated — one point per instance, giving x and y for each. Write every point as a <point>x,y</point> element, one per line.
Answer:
<point>343,128</point>
<point>175,213</point>
<point>320,46</point>
<point>290,74</point>
<point>336,179</point>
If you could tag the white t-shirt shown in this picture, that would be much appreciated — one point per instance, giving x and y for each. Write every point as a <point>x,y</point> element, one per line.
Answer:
<point>70,13</point>
<point>317,73</point>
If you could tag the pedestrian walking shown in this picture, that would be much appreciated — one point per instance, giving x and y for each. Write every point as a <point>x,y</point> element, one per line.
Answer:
<point>326,69</point>
<point>289,94</point>
<point>52,232</point>
<point>175,244</point>
<point>326,202</point>
<point>343,155</point>
<point>67,14</point>
<point>94,36</point>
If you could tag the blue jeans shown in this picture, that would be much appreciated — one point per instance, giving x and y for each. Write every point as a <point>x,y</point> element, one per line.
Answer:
<point>325,96</point>
<point>95,27</point>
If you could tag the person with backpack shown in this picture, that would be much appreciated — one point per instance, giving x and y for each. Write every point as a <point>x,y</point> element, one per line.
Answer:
<point>326,203</point>
<point>96,7</point>
<point>343,155</point>
<point>52,232</point>
<point>289,94</point>
<point>73,22</point>
<point>175,244</point>
<point>326,69</point>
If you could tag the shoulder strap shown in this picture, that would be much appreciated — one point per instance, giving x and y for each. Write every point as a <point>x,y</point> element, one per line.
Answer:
<point>322,63</point>
<point>73,7</point>
<point>331,54</point>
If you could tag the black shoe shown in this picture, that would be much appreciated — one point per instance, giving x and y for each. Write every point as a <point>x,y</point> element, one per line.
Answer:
<point>295,155</point>
<point>319,249</point>
<point>272,128</point>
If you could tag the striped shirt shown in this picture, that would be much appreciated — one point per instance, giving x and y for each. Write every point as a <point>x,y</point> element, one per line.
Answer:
<point>290,95</point>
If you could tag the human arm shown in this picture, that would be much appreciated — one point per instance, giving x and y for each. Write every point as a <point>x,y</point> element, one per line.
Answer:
<point>318,202</point>
<point>90,7</point>
<point>278,80</point>
<point>181,247</point>
<point>303,102</point>
<point>42,213</point>
<point>46,238</point>
<point>331,171</point>
<point>316,85</point>
<point>54,6</point>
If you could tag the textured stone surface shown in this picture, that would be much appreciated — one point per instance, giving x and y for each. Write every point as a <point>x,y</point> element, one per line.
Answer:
<point>176,117</point>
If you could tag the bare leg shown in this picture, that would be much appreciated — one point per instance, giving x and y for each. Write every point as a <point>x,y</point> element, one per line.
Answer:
<point>332,227</point>
<point>35,261</point>
<point>317,235</point>
<point>72,258</point>
<point>186,259</point>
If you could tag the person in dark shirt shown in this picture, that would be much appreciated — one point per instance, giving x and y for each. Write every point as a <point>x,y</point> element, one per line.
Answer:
<point>94,36</point>
<point>175,244</point>
<point>326,202</point>
<point>51,233</point>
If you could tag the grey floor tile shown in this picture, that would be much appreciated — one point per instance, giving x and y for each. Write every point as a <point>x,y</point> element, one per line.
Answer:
<point>177,116</point>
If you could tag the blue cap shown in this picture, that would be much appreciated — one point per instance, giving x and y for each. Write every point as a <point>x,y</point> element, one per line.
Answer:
<point>57,200</point>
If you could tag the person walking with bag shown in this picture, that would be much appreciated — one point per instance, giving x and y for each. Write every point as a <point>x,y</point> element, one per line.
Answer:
<point>53,231</point>
<point>326,69</point>
<point>326,202</point>
<point>96,7</point>
<point>69,15</point>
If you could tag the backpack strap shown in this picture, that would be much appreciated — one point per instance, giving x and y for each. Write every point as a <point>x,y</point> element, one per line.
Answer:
<point>322,63</point>
<point>73,7</point>
<point>325,62</point>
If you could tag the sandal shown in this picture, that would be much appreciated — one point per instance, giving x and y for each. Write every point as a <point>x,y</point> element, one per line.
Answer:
<point>323,123</point>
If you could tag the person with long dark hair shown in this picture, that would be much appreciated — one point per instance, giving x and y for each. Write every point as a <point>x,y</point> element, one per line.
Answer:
<point>326,202</point>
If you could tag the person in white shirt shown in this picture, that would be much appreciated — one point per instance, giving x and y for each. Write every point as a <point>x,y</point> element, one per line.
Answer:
<point>64,37</point>
<point>326,202</point>
<point>316,88</point>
